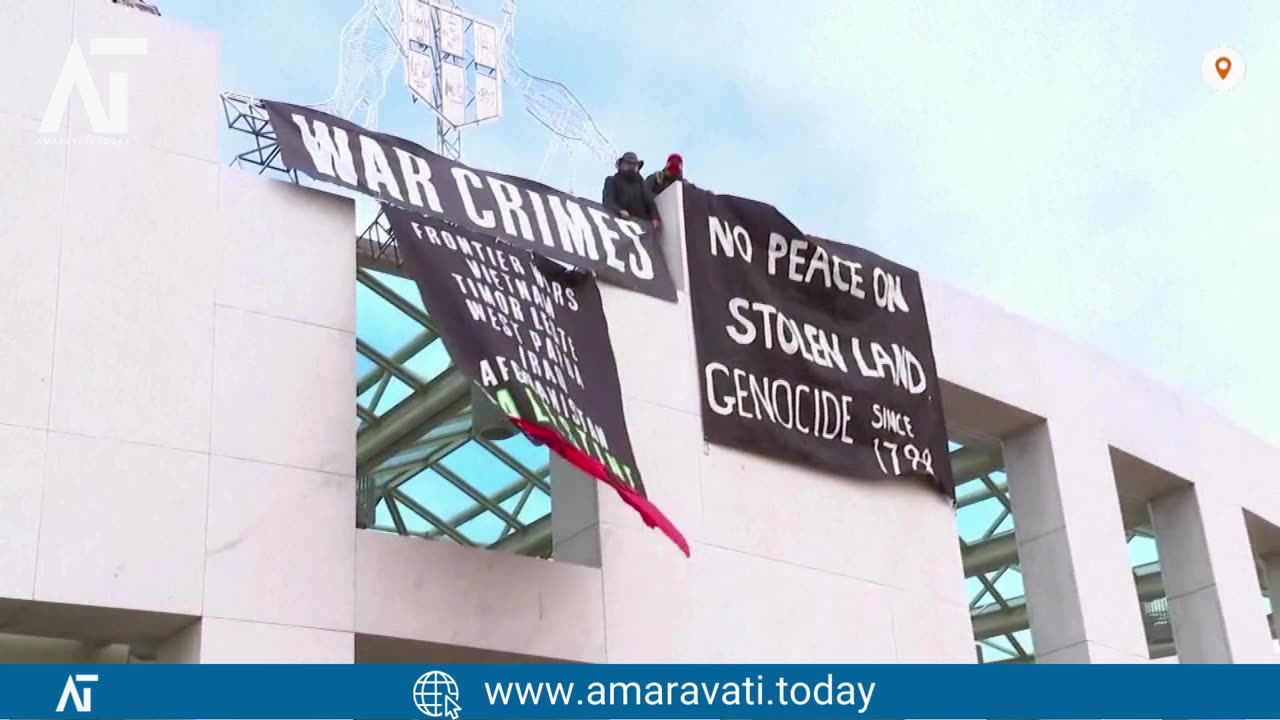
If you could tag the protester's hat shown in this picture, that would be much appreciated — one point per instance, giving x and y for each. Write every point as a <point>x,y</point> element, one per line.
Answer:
<point>629,157</point>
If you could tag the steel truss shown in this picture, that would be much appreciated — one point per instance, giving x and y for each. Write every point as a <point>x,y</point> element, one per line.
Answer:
<point>375,246</point>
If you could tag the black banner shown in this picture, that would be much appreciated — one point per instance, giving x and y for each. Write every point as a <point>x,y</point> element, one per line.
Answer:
<point>531,332</point>
<point>809,350</point>
<point>573,230</point>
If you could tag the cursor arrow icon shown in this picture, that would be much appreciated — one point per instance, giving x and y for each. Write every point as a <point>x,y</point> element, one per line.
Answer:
<point>451,708</point>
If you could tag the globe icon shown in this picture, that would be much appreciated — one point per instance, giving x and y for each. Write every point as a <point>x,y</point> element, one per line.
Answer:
<point>436,695</point>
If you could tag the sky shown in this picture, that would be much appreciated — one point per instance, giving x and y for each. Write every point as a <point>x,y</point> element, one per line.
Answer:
<point>1063,159</point>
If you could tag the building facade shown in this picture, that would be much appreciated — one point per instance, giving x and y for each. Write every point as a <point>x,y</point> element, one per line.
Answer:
<point>178,462</point>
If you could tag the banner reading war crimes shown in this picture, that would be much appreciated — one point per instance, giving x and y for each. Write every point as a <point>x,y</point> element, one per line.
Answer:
<point>533,334</point>
<point>623,252</point>
<point>811,351</point>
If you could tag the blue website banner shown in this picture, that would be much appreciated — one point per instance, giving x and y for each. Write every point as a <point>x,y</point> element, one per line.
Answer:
<point>319,692</point>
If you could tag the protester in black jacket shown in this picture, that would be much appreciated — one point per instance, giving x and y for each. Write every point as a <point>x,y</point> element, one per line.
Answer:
<point>625,193</point>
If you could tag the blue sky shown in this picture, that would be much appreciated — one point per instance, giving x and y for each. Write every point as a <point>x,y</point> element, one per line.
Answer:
<point>1064,159</point>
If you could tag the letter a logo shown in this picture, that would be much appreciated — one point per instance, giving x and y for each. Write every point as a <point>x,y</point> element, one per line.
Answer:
<point>109,119</point>
<point>83,703</point>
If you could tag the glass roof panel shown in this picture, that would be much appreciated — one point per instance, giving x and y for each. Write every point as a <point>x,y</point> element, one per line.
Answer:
<point>381,325</point>
<point>429,362</point>
<point>996,649</point>
<point>414,523</point>
<point>1142,550</point>
<point>974,586</point>
<point>536,507</point>
<point>1006,525</point>
<point>429,489</point>
<point>403,287</point>
<point>523,451</point>
<point>485,472</point>
<point>1024,639</point>
<point>363,365</point>
<point>972,521</point>
<point>484,530</point>
<point>1010,584</point>
<point>394,392</point>
<point>455,478</point>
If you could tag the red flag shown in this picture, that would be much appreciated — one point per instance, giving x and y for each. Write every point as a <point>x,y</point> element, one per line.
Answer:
<point>649,512</point>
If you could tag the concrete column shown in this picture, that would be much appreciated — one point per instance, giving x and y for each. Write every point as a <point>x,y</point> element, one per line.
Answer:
<point>575,518</point>
<point>1079,584</point>
<point>1210,579</point>
<point>217,641</point>
<point>1271,570</point>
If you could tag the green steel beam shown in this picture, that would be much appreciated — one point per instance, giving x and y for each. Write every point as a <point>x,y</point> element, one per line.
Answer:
<point>396,518</point>
<point>399,357</point>
<point>421,511</point>
<point>993,623</point>
<point>976,496</point>
<point>394,299</point>
<point>500,496</point>
<point>1001,621</point>
<point>990,555</point>
<point>533,541</point>
<point>524,498</point>
<point>480,498</point>
<point>427,449</point>
<point>400,372</point>
<point>443,398</point>
<point>408,472</point>
<point>1156,651</point>
<point>972,462</point>
<point>528,473</point>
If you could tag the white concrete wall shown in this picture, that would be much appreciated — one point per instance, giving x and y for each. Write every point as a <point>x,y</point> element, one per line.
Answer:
<point>1085,439</point>
<point>177,345</point>
<point>177,443</point>
<point>788,565</point>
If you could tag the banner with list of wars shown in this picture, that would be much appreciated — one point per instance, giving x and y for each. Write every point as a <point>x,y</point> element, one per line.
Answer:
<point>532,333</point>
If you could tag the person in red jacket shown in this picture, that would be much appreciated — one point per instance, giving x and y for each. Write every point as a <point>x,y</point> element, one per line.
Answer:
<point>667,176</point>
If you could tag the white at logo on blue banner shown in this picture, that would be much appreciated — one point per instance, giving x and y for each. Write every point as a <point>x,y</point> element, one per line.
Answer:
<point>83,701</point>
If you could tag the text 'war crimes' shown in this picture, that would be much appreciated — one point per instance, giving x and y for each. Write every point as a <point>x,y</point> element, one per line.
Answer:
<point>489,202</point>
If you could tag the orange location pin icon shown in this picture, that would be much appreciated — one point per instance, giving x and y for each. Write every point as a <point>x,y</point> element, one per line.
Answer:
<point>1223,65</point>
<point>1222,69</point>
